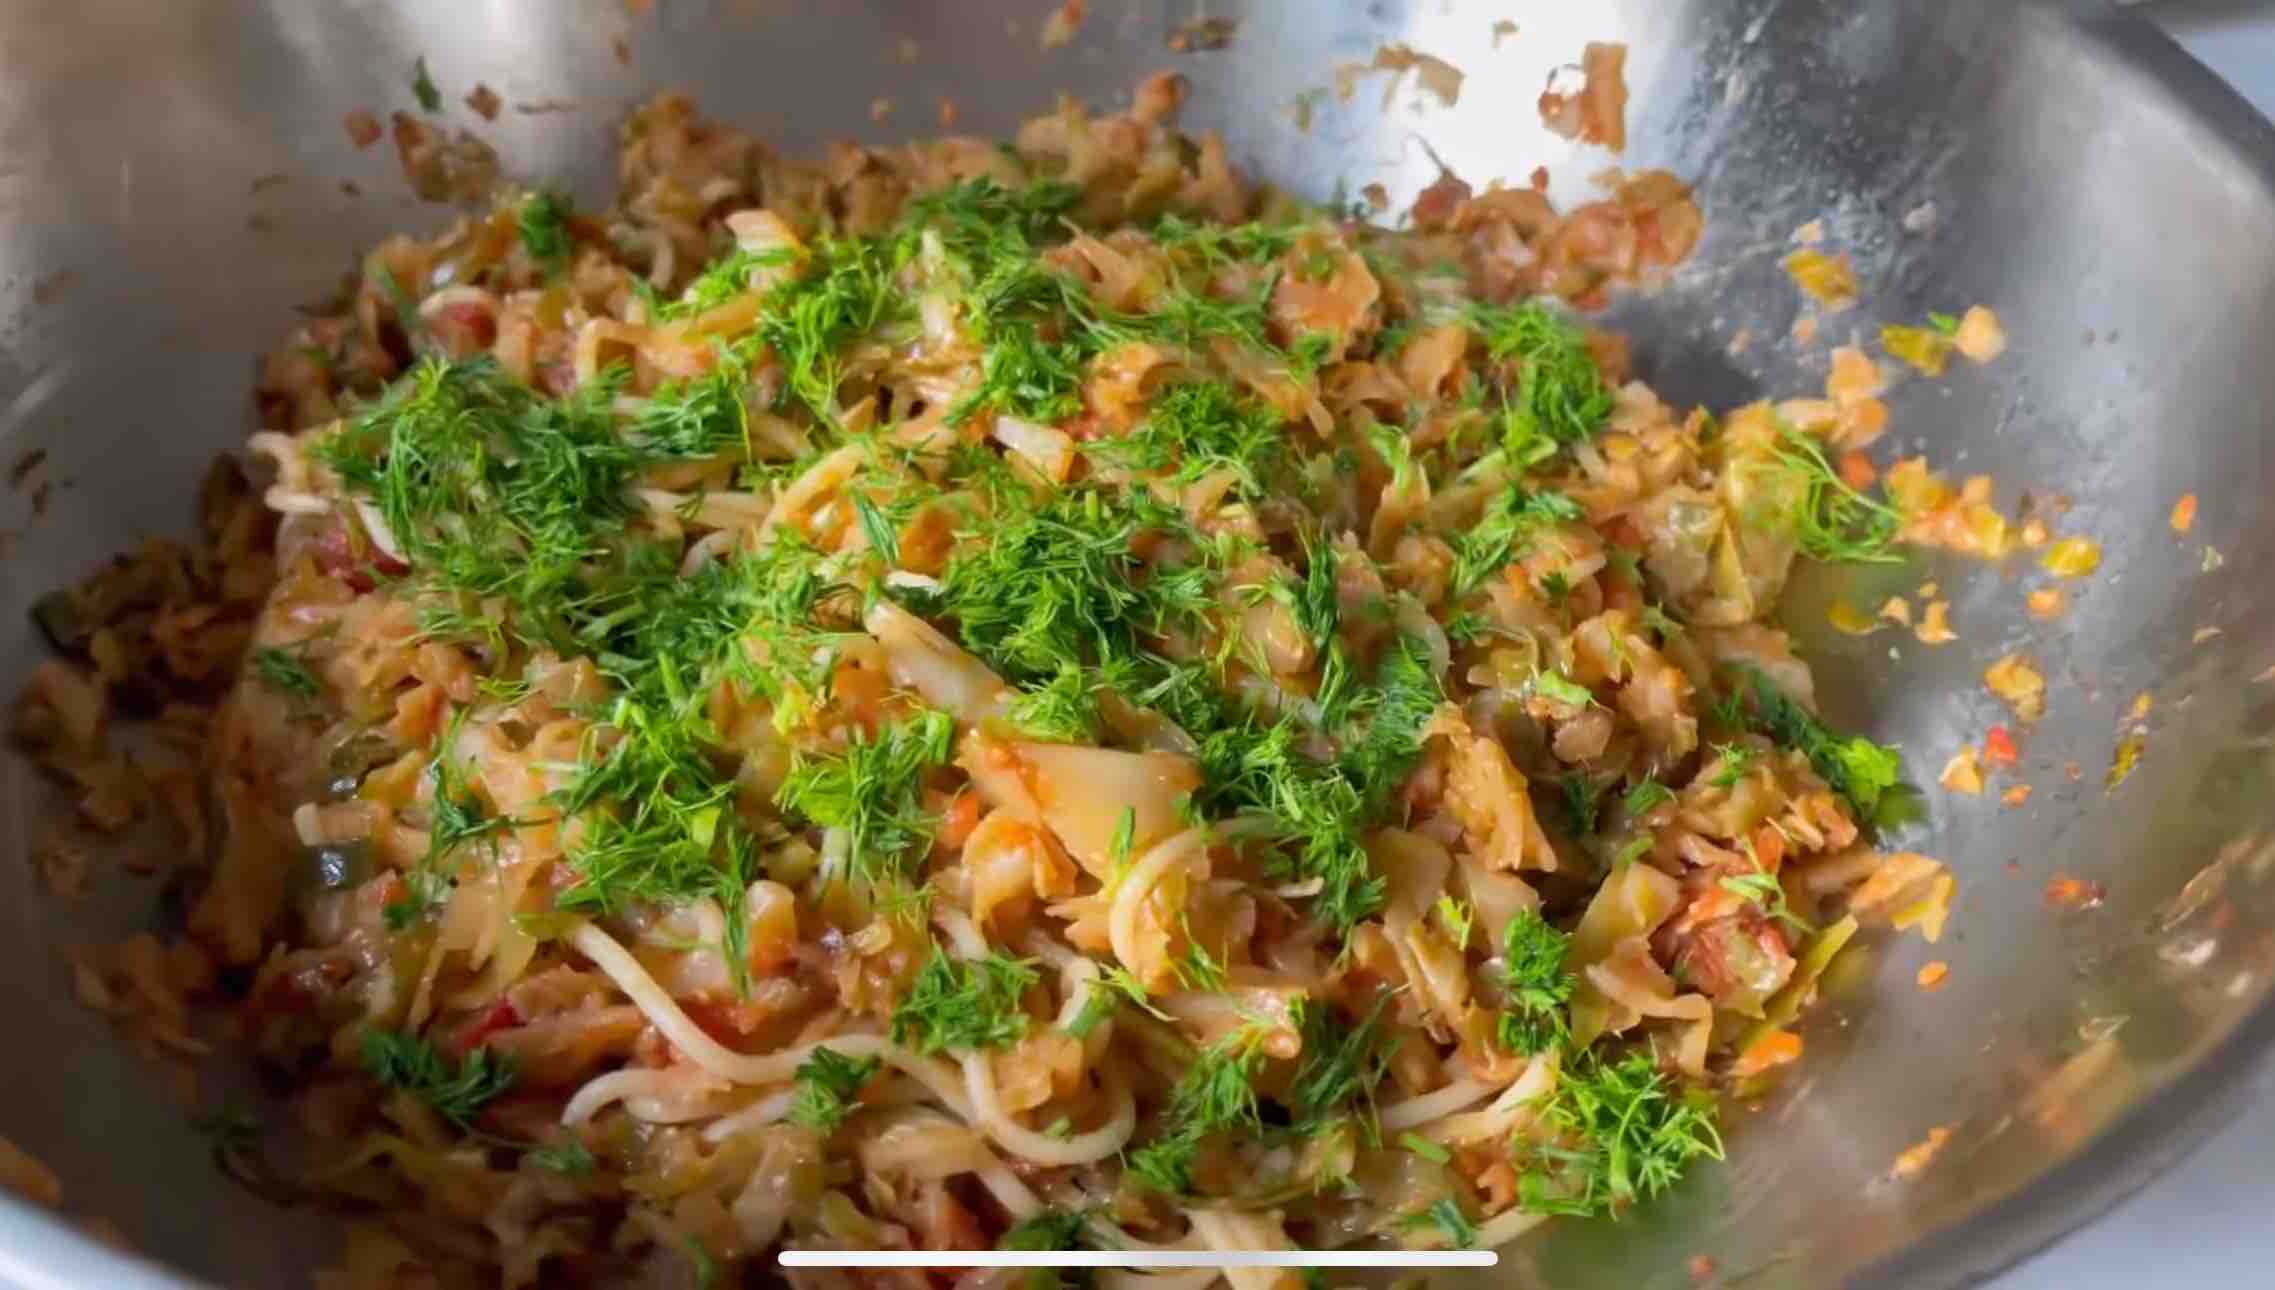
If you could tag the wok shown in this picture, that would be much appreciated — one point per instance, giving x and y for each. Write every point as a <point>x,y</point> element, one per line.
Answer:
<point>171,185</point>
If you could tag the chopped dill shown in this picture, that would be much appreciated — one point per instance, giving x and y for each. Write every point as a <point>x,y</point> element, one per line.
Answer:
<point>422,87</point>
<point>1501,533</point>
<point>400,1059</point>
<point>1216,1094</point>
<point>1763,889</point>
<point>1444,1217</point>
<point>1647,795</point>
<point>1619,1133</point>
<point>1855,767</point>
<point>1830,520</point>
<point>827,1083</point>
<point>1535,983</point>
<point>873,791</point>
<point>960,1005</point>
<point>1559,397</point>
<point>284,672</point>
<point>543,222</point>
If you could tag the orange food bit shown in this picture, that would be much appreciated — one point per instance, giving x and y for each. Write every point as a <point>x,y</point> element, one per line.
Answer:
<point>1998,747</point>
<point>2123,761</point>
<point>2021,686</point>
<point>1773,1049</point>
<point>2072,557</point>
<point>1848,620</point>
<point>1935,624</point>
<point>2065,892</point>
<point>2016,795</point>
<point>2046,602</point>
<point>1963,774</point>
<point>1827,279</point>
<point>2184,513</point>
<point>1857,471</point>
<point>1932,976</point>
<point>1980,336</point>
<point>1854,375</point>
<point>1914,1160</point>
<point>1897,610</point>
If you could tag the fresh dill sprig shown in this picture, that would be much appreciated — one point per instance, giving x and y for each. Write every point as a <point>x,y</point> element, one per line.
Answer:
<point>1500,533</point>
<point>1444,1217</point>
<point>1647,795</point>
<point>422,86</point>
<point>286,673</point>
<point>1855,767</point>
<point>1559,397</point>
<point>1583,802</point>
<point>1559,688</point>
<point>1830,520</point>
<point>1765,890</point>
<point>571,1158</point>
<point>1063,709</point>
<point>827,1083</point>
<point>543,222</point>
<point>400,1059</point>
<point>873,791</point>
<point>1619,1133</point>
<point>1048,1229</point>
<point>1536,984</point>
<point>958,1005</point>
<point>1732,763</point>
<point>1343,1062</point>
<point>1109,990</point>
<point>1216,1094</point>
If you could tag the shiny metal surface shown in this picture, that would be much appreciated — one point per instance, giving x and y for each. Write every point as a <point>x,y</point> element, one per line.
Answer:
<point>2113,201</point>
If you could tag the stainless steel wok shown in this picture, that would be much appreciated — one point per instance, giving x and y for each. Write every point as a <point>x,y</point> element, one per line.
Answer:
<point>171,185</point>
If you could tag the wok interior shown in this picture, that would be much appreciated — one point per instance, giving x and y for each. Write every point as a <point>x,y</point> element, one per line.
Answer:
<point>2103,194</point>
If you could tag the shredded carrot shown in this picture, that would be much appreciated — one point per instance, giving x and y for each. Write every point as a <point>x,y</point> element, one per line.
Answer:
<point>1857,470</point>
<point>1932,976</point>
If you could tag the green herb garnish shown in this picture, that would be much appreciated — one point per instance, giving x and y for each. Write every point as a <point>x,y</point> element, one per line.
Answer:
<point>400,1059</point>
<point>543,221</point>
<point>872,790</point>
<point>1619,1133</point>
<point>1858,769</point>
<point>284,672</point>
<point>827,1083</point>
<point>959,1005</point>
<point>422,87</point>
<point>1535,983</point>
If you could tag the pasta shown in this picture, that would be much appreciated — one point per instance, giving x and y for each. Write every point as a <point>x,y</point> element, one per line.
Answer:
<point>1037,695</point>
